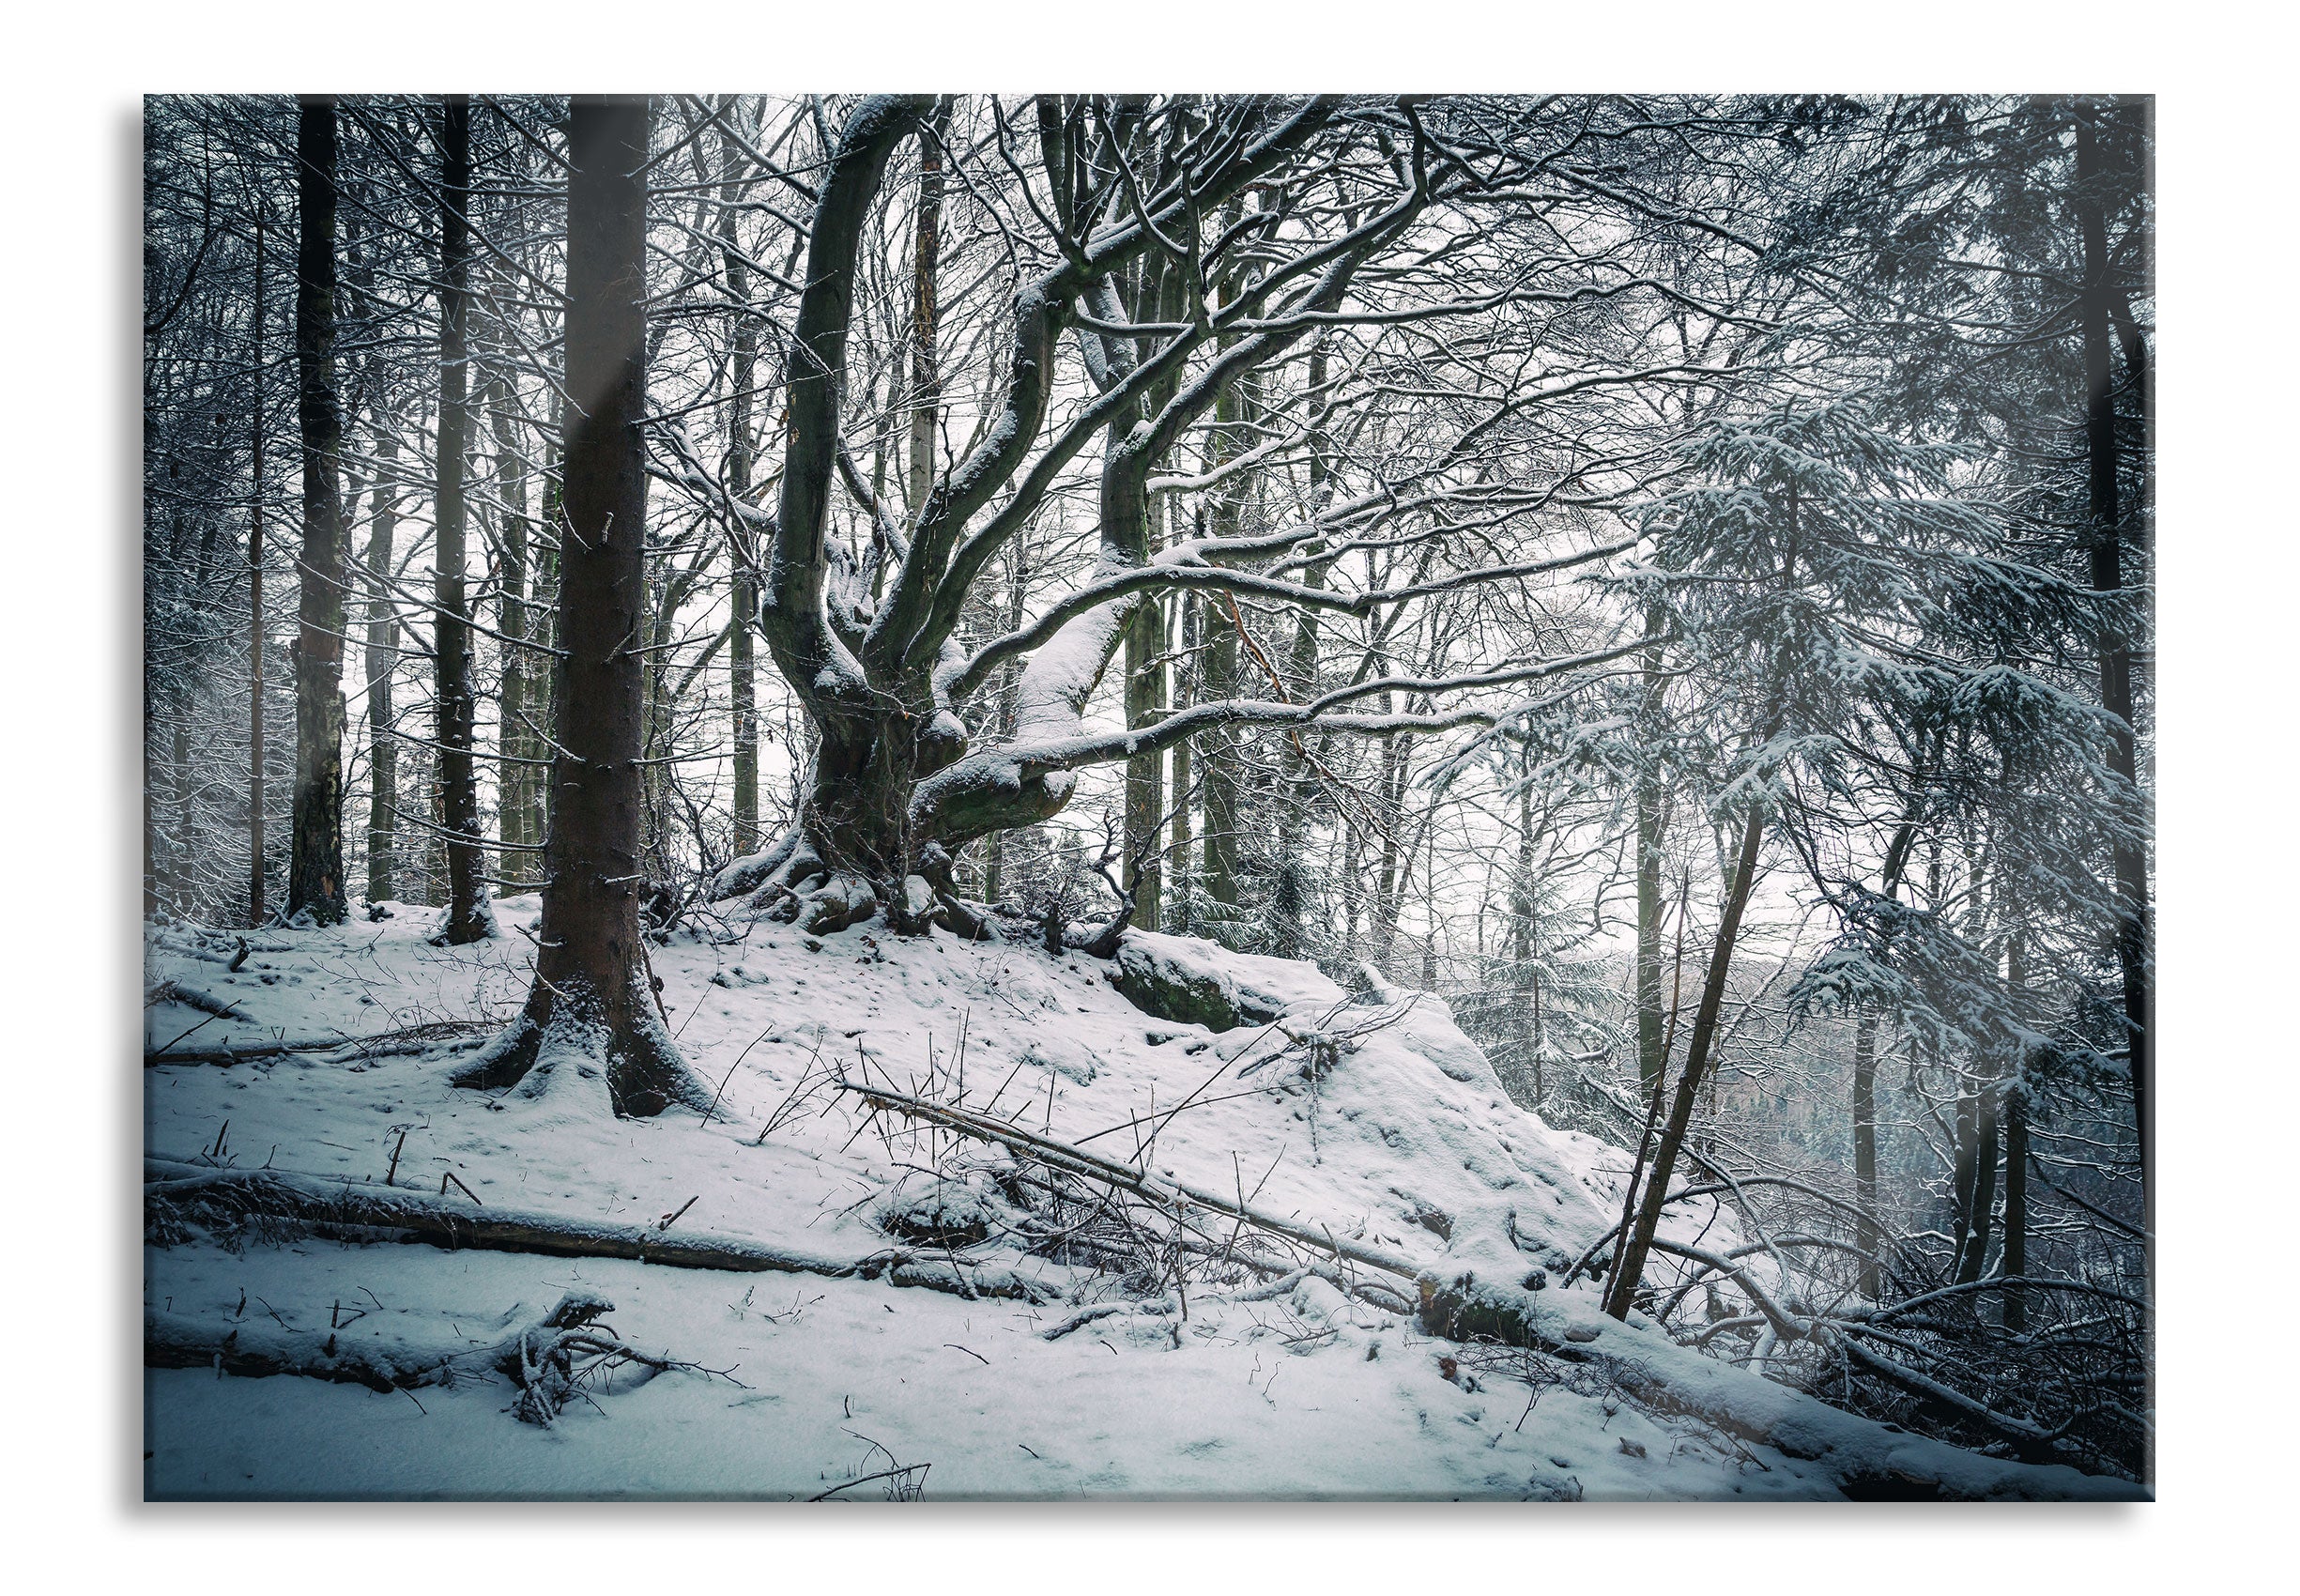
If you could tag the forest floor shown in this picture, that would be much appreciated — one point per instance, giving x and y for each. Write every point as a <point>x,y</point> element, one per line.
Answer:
<point>793,1385</point>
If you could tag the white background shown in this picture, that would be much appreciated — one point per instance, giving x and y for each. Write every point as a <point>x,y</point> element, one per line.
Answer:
<point>69,1391</point>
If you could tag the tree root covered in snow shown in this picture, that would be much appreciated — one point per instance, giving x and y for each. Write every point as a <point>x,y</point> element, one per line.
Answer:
<point>791,884</point>
<point>549,1361</point>
<point>176,1192</point>
<point>637,1070</point>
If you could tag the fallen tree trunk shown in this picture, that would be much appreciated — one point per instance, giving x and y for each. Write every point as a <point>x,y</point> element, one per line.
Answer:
<point>193,1190</point>
<point>1643,1364</point>
<point>1126,1177</point>
<point>545,1360</point>
<point>1657,1371</point>
<point>386,1044</point>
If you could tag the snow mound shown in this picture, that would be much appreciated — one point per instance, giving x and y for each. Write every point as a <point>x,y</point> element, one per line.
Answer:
<point>1368,1116</point>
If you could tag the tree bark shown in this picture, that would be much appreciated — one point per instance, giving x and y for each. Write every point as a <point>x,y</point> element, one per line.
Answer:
<point>1981,1201</point>
<point>1650,1060</point>
<point>316,864</point>
<point>1696,1064</point>
<point>742,689</point>
<point>513,741</point>
<point>926,249</point>
<point>256,593</point>
<point>2105,537</point>
<point>592,1011</point>
<point>379,658</point>
<point>467,917</point>
<point>1865,1152</point>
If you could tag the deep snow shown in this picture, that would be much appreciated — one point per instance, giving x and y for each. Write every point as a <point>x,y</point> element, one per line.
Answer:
<point>1404,1140</point>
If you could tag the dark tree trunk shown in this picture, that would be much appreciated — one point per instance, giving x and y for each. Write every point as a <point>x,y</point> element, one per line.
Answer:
<point>1524,945</point>
<point>593,1013</point>
<point>1981,1202</point>
<point>1651,1062</point>
<point>743,373</point>
<point>1640,1243</point>
<point>2016,1204</point>
<point>1146,774</point>
<point>2106,540</point>
<point>514,742</point>
<point>469,918</point>
<point>1865,1152</point>
<point>926,384</point>
<point>544,691</point>
<point>255,594</point>
<point>316,862</point>
<point>381,656</point>
<point>1179,863</point>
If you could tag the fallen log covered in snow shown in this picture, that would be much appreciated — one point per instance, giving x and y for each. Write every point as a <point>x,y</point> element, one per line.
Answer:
<point>1659,1374</point>
<point>1645,1364</point>
<point>547,1360</point>
<point>173,1186</point>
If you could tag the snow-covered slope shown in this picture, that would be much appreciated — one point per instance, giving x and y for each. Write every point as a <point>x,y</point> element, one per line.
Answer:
<point>1375,1117</point>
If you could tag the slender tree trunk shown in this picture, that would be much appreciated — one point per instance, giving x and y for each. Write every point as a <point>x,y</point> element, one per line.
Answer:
<point>256,598</point>
<point>380,658</point>
<point>468,916</point>
<point>1146,796</point>
<point>592,1010</point>
<point>1865,1152</point>
<point>1689,1085</point>
<point>1982,1204</point>
<point>926,248</point>
<point>545,690</point>
<point>1522,946</point>
<point>514,742</point>
<point>2106,535</point>
<point>2016,1156</point>
<point>1651,1062</point>
<point>315,865</point>
<point>743,690</point>
<point>1178,856</point>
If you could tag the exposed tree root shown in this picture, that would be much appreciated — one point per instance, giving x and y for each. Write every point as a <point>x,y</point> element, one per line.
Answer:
<point>637,1070</point>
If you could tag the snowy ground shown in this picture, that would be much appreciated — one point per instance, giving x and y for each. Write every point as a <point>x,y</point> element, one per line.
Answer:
<point>1406,1142</point>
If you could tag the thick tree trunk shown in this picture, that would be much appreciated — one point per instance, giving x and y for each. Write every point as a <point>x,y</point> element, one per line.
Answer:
<point>316,864</point>
<point>379,658</point>
<point>593,1013</point>
<point>468,916</point>
<point>2106,535</point>
<point>1689,1085</point>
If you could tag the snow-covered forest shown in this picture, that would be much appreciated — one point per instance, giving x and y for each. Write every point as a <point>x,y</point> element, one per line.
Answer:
<point>1044,796</point>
